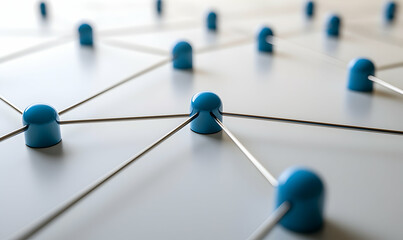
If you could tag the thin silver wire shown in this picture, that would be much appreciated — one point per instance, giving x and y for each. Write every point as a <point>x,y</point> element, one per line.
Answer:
<point>13,133</point>
<point>270,222</point>
<point>122,119</point>
<point>342,64</point>
<point>36,226</point>
<point>272,180</point>
<point>136,47</point>
<point>245,40</point>
<point>155,66</point>
<point>385,84</point>
<point>273,40</point>
<point>389,66</point>
<point>36,48</point>
<point>321,124</point>
<point>148,29</point>
<point>336,61</point>
<point>10,104</point>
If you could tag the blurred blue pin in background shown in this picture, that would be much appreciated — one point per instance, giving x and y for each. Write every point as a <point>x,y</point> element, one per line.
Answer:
<point>211,21</point>
<point>182,56</point>
<point>390,11</point>
<point>309,9</point>
<point>263,43</point>
<point>333,25</point>
<point>359,71</point>
<point>86,35</point>
<point>159,6</point>
<point>43,10</point>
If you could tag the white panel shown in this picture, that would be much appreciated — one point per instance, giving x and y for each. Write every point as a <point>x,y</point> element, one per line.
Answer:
<point>196,186</point>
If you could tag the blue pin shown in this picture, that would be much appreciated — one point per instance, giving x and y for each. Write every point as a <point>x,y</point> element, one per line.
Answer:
<point>159,6</point>
<point>86,35</point>
<point>42,8</point>
<point>182,55</point>
<point>43,126</point>
<point>310,9</point>
<point>211,21</point>
<point>390,11</point>
<point>333,26</point>
<point>304,190</point>
<point>359,70</point>
<point>262,40</point>
<point>205,103</point>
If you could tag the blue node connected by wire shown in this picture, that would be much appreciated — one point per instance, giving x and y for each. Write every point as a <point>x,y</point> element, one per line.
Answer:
<point>211,21</point>
<point>205,104</point>
<point>86,35</point>
<point>333,26</point>
<point>264,39</point>
<point>42,9</point>
<point>305,193</point>
<point>390,11</point>
<point>43,129</point>
<point>182,56</point>
<point>310,9</point>
<point>359,71</point>
<point>159,6</point>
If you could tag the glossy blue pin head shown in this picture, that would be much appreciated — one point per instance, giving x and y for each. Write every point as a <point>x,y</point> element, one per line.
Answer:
<point>211,21</point>
<point>159,6</point>
<point>182,55</point>
<point>42,9</point>
<point>205,103</point>
<point>43,126</point>
<point>309,9</point>
<point>263,38</point>
<point>390,11</point>
<point>333,26</point>
<point>359,71</point>
<point>86,35</point>
<point>305,192</point>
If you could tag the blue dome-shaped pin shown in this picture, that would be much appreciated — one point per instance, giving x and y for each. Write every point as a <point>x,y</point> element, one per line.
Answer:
<point>309,9</point>
<point>211,21</point>
<point>42,9</point>
<point>359,70</point>
<point>333,26</point>
<point>182,55</point>
<point>43,126</point>
<point>305,192</point>
<point>159,6</point>
<point>86,35</point>
<point>390,11</point>
<point>263,43</point>
<point>205,103</point>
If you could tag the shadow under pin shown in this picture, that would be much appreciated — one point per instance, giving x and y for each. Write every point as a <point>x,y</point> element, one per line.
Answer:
<point>331,45</point>
<point>358,105</point>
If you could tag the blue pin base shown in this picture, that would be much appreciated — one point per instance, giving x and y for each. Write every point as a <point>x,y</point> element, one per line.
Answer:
<point>304,190</point>
<point>390,11</point>
<point>359,70</point>
<point>262,40</point>
<point>211,21</point>
<point>42,8</point>
<point>159,7</point>
<point>309,9</point>
<point>86,35</point>
<point>333,26</point>
<point>205,103</point>
<point>182,56</point>
<point>43,126</point>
